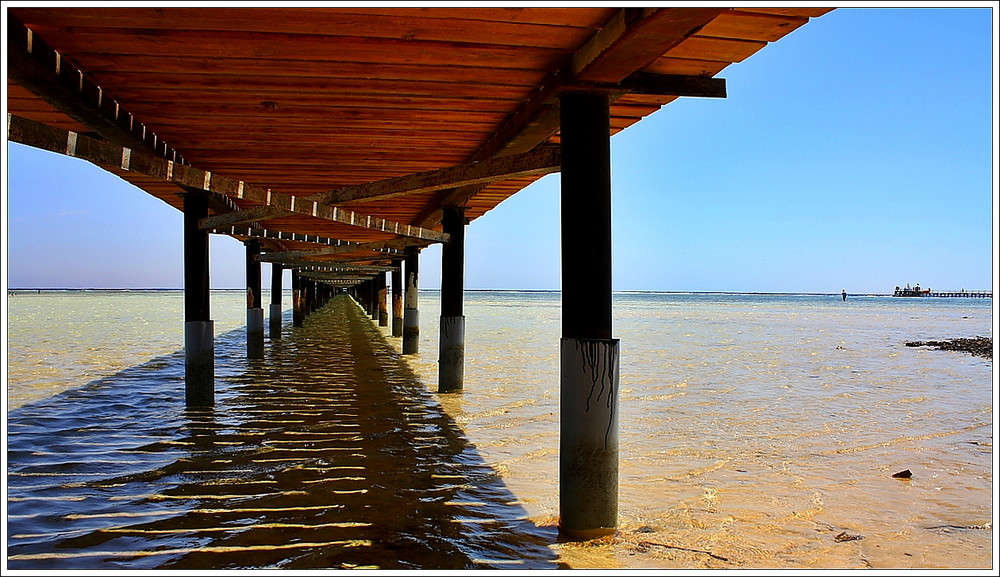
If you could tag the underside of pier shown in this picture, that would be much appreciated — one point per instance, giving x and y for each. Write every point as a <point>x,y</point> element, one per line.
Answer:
<point>339,142</point>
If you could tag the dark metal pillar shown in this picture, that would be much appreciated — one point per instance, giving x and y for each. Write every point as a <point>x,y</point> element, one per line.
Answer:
<point>274,316</point>
<point>199,329</point>
<point>411,313</point>
<point>255,307</point>
<point>397,298</point>
<point>589,361</point>
<point>451,357</point>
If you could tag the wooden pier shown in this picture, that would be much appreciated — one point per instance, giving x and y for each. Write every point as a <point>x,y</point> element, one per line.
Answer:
<point>919,292</point>
<point>963,294</point>
<point>337,143</point>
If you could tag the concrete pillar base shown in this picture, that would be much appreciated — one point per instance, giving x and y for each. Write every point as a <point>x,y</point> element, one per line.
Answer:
<point>588,437</point>
<point>255,333</point>
<point>451,361</point>
<point>411,331</point>
<point>274,321</point>
<point>199,363</point>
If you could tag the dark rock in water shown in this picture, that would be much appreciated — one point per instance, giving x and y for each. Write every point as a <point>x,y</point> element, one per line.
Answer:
<point>979,346</point>
<point>845,536</point>
<point>905,474</point>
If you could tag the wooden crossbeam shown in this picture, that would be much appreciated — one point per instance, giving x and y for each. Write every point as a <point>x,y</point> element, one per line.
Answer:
<point>340,267</point>
<point>104,153</point>
<point>540,161</point>
<point>334,250</point>
<point>302,263</point>
<point>280,235</point>
<point>348,270</point>
<point>32,64</point>
<point>243,216</point>
<point>655,84</point>
<point>369,269</point>
<point>340,282</point>
<point>335,275</point>
<point>631,40</point>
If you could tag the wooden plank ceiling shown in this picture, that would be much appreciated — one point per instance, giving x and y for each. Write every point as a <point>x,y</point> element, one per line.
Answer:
<point>324,105</point>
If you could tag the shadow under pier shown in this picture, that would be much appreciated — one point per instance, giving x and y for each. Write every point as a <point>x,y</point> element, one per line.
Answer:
<point>328,453</point>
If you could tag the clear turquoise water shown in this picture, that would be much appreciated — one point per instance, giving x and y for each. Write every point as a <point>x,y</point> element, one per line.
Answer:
<point>756,428</point>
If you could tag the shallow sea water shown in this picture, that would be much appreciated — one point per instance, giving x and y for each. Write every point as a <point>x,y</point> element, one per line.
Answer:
<point>757,431</point>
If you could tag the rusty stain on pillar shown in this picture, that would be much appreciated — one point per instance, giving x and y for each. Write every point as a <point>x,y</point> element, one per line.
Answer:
<point>383,297</point>
<point>397,298</point>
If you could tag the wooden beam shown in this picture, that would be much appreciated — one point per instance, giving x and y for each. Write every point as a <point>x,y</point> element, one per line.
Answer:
<point>656,84</point>
<point>280,235</point>
<point>103,153</point>
<point>244,216</point>
<point>634,38</point>
<point>341,249</point>
<point>302,263</point>
<point>357,268</point>
<point>631,40</point>
<point>32,64</point>
<point>335,275</point>
<point>544,160</point>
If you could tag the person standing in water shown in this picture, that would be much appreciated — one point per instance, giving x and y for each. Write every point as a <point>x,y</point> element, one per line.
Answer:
<point>843,294</point>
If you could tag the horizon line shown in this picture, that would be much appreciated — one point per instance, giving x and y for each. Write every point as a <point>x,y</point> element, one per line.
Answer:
<point>437,289</point>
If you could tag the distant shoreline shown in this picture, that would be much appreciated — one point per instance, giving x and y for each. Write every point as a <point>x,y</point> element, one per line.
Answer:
<point>479,290</point>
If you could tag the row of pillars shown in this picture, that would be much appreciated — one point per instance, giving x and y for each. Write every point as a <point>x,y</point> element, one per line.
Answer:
<point>589,356</point>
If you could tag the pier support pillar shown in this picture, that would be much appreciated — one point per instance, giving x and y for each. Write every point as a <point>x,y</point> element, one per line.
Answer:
<point>397,298</point>
<point>274,315</point>
<point>297,313</point>
<point>383,294</point>
<point>589,362</point>
<point>255,307</point>
<point>199,330</point>
<point>411,314</point>
<point>310,296</point>
<point>451,352</point>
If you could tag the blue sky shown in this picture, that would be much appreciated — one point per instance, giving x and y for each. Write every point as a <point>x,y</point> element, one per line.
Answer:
<point>857,153</point>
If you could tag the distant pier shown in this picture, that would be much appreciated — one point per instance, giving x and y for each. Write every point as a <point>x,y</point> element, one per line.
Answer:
<point>919,292</point>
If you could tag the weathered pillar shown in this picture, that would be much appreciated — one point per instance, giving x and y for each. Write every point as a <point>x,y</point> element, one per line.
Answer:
<point>364,294</point>
<point>255,307</point>
<point>383,297</point>
<point>411,314</point>
<point>373,292</point>
<point>274,316</point>
<point>397,298</point>
<point>451,343</point>
<point>199,330</point>
<point>297,313</point>
<point>589,363</point>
